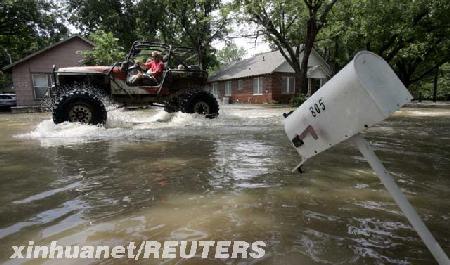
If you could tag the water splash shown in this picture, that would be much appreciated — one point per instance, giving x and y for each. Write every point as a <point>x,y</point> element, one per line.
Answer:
<point>121,124</point>
<point>153,123</point>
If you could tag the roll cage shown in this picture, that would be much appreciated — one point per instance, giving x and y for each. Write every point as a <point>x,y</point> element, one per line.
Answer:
<point>172,55</point>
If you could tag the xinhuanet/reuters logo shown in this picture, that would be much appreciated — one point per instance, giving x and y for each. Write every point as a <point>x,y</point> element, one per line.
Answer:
<point>144,250</point>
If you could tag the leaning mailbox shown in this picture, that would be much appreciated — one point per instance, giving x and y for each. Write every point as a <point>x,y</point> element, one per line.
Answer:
<point>365,92</point>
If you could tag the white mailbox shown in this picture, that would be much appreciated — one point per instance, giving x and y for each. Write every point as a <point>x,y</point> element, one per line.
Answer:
<point>365,92</point>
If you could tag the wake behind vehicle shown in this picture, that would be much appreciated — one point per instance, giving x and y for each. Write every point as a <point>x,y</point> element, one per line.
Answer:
<point>78,92</point>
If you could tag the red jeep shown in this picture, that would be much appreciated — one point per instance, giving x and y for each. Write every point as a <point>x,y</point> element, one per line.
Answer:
<point>78,92</point>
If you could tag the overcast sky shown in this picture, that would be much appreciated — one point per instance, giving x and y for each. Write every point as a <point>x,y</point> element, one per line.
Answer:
<point>251,45</point>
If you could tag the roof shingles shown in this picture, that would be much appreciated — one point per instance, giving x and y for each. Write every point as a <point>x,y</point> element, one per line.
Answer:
<point>26,58</point>
<point>264,63</point>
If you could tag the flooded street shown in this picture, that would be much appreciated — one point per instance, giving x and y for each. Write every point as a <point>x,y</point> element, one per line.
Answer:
<point>150,175</point>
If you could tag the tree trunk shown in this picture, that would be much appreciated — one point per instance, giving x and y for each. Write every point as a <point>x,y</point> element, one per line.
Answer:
<point>311,32</point>
<point>9,55</point>
<point>403,73</point>
<point>435,85</point>
<point>201,57</point>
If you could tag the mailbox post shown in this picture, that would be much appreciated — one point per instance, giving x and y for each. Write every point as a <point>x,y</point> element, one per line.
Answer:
<point>366,91</point>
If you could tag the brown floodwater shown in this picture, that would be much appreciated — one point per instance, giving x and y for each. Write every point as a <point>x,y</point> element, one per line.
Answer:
<point>149,175</point>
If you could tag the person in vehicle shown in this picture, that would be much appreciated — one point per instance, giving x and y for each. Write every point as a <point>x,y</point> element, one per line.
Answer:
<point>155,66</point>
<point>150,72</point>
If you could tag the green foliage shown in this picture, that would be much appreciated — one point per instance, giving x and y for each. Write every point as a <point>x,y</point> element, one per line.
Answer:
<point>286,18</point>
<point>5,83</point>
<point>226,55</point>
<point>151,20</point>
<point>424,88</point>
<point>27,26</point>
<point>230,53</point>
<point>297,100</point>
<point>411,35</point>
<point>115,16</point>
<point>106,50</point>
<point>189,23</point>
<point>196,24</point>
<point>281,22</point>
<point>289,25</point>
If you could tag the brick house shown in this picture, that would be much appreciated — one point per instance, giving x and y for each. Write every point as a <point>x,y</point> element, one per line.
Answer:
<point>32,76</point>
<point>266,78</point>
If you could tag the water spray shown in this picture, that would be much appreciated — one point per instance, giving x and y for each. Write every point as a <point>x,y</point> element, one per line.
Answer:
<point>365,92</point>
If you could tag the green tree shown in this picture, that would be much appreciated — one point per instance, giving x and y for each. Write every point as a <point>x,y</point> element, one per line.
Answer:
<point>150,20</point>
<point>115,16</point>
<point>26,26</point>
<point>410,35</point>
<point>227,55</point>
<point>288,24</point>
<point>106,51</point>
<point>189,23</point>
<point>424,88</point>
<point>230,53</point>
<point>197,24</point>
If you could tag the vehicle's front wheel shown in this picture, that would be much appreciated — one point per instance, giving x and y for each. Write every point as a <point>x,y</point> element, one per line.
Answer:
<point>201,102</point>
<point>79,106</point>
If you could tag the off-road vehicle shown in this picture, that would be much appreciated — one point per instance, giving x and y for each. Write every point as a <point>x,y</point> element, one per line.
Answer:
<point>78,92</point>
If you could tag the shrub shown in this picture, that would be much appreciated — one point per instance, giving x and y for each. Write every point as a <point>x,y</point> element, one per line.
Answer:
<point>106,50</point>
<point>298,100</point>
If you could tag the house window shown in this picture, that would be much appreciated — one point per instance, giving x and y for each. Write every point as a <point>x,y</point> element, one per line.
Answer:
<point>215,89</point>
<point>314,85</point>
<point>41,82</point>
<point>258,86</point>
<point>288,85</point>
<point>240,84</point>
<point>228,88</point>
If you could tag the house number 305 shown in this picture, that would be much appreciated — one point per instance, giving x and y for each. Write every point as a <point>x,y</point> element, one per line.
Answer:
<point>317,107</point>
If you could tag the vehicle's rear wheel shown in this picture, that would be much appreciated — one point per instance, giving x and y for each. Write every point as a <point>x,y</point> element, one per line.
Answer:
<point>79,106</point>
<point>201,102</point>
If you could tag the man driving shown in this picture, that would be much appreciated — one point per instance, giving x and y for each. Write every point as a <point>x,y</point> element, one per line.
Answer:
<point>149,73</point>
<point>155,66</point>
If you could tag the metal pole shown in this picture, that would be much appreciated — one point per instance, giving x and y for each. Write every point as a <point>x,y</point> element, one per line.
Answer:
<point>401,200</point>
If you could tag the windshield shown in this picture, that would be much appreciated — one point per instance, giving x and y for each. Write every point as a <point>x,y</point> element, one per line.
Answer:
<point>142,53</point>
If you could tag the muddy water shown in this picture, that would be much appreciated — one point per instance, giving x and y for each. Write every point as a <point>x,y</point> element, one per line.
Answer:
<point>149,175</point>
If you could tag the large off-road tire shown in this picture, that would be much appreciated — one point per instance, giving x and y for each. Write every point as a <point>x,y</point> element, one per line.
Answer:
<point>201,102</point>
<point>79,106</point>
